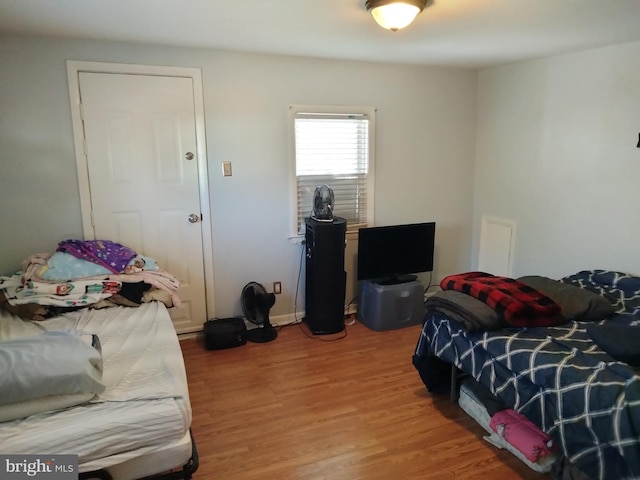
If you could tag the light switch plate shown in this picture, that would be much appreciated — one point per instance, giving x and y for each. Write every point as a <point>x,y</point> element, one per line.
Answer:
<point>226,169</point>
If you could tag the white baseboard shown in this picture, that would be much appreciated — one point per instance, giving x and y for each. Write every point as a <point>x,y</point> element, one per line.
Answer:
<point>288,319</point>
<point>184,336</point>
<point>276,321</point>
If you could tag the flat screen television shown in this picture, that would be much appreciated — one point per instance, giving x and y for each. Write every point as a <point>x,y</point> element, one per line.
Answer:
<point>388,254</point>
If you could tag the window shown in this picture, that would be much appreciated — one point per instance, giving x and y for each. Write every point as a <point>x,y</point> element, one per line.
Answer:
<point>334,146</point>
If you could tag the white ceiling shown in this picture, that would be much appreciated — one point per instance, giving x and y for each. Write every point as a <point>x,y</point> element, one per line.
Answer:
<point>465,33</point>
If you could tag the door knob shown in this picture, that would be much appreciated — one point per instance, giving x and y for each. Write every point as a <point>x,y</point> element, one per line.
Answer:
<point>194,218</point>
<point>188,156</point>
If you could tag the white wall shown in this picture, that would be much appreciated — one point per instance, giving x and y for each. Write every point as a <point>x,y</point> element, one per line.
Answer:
<point>556,153</point>
<point>424,166</point>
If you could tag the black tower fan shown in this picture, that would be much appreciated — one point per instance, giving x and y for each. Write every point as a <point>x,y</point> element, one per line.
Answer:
<point>256,303</point>
<point>325,275</point>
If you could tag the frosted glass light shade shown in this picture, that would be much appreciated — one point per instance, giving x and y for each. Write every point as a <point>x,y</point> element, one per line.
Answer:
<point>395,16</point>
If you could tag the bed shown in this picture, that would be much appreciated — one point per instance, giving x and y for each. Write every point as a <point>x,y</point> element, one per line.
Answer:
<point>576,378</point>
<point>107,384</point>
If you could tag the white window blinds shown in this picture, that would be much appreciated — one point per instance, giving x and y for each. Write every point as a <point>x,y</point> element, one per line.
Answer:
<point>333,149</point>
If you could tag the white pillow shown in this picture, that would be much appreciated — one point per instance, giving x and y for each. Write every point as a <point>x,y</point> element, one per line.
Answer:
<point>52,363</point>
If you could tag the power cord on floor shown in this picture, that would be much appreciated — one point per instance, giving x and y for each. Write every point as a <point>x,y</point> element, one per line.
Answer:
<point>321,339</point>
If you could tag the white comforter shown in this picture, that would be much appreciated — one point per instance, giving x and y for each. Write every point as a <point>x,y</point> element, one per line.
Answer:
<point>145,404</point>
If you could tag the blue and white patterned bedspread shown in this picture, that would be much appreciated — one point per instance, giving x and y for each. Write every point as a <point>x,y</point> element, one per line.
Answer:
<point>557,377</point>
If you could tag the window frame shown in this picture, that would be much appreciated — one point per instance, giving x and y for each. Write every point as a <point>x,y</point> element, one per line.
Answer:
<point>370,181</point>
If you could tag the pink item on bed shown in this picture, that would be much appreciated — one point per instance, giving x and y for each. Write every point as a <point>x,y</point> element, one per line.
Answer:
<point>520,432</point>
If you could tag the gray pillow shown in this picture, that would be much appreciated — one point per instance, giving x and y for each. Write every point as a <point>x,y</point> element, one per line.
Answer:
<point>576,303</point>
<point>52,363</point>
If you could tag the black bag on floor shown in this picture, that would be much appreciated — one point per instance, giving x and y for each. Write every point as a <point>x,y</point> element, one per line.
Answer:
<point>220,333</point>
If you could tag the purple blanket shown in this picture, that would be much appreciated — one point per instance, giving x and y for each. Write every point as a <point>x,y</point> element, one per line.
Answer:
<point>110,255</point>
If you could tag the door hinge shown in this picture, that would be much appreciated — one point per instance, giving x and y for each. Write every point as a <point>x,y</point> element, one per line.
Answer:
<point>81,112</point>
<point>93,223</point>
<point>84,147</point>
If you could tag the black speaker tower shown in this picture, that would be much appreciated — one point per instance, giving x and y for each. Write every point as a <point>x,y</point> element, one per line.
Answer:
<point>325,276</point>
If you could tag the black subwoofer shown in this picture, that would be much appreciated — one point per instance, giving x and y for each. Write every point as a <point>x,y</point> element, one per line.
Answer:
<point>224,333</point>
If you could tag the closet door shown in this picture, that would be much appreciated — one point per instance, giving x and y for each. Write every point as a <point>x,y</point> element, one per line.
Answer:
<point>142,165</point>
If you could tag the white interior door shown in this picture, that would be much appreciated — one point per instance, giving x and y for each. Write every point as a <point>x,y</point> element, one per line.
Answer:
<point>142,165</point>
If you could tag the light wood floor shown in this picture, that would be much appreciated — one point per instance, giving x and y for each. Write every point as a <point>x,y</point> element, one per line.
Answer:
<point>353,408</point>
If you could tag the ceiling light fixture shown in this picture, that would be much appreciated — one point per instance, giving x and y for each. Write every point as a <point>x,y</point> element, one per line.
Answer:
<point>395,14</point>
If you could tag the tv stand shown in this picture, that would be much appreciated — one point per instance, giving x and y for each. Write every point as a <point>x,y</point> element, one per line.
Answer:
<point>384,306</point>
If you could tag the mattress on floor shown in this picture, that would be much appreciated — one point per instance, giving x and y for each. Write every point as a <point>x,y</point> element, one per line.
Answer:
<point>145,406</point>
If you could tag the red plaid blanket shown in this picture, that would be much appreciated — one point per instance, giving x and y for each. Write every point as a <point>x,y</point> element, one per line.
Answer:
<point>519,304</point>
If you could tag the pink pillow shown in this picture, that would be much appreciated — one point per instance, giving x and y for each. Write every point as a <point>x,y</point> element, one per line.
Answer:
<point>516,429</point>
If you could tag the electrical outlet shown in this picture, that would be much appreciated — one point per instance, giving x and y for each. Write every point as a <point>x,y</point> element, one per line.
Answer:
<point>277,288</point>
